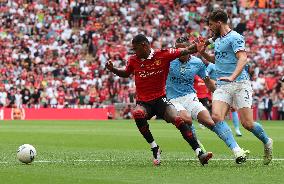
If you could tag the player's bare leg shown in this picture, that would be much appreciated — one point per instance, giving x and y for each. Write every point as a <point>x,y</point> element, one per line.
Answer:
<point>185,116</point>
<point>246,116</point>
<point>219,110</point>
<point>205,118</point>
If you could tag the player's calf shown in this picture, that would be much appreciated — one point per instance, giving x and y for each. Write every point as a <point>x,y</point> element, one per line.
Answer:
<point>205,119</point>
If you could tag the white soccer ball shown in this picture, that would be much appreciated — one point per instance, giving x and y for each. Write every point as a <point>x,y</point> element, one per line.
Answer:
<point>26,153</point>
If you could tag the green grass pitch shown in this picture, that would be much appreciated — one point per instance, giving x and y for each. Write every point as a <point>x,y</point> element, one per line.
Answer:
<point>73,152</point>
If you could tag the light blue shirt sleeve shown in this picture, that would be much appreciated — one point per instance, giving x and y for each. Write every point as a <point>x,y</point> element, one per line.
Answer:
<point>202,71</point>
<point>238,43</point>
<point>211,71</point>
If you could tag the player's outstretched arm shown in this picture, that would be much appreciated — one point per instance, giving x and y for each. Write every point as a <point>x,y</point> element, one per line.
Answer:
<point>119,72</point>
<point>198,47</point>
<point>192,49</point>
<point>201,47</point>
<point>210,84</point>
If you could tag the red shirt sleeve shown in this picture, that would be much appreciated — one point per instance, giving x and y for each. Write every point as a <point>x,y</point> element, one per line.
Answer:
<point>173,53</point>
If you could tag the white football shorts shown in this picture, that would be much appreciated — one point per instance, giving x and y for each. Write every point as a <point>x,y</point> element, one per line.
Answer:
<point>238,94</point>
<point>190,103</point>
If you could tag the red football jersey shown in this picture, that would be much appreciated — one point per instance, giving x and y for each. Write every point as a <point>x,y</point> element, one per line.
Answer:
<point>61,97</point>
<point>201,89</point>
<point>151,73</point>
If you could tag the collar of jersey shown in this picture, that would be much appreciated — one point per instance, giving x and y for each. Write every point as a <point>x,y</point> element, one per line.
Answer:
<point>226,34</point>
<point>150,55</point>
<point>190,57</point>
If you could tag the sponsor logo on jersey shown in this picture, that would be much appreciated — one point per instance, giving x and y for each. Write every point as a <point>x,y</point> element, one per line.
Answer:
<point>145,74</point>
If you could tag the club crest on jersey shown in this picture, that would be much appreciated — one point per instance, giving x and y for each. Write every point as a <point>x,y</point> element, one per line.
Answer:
<point>158,62</point>
<point>183,69</point>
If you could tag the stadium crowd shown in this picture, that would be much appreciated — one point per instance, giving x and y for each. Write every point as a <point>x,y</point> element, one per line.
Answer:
<point>53,53</point>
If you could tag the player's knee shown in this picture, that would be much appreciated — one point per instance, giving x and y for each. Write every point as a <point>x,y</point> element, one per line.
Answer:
<point>186,117</point>
<point>178,121</point>
<point>248,125</point>
<point>205,118</point>
<point>217,117</point>
<point>139,114</point>
<point>208,122</point>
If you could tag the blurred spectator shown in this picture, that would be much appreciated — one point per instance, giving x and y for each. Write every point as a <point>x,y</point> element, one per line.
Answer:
<point>126,112</point>
<point>241,26</point>
<point>3,96</point>
<point>268,104</point>
<point>35,97</point>
<point>26,98</point>
<point>261,107</point>
<point>18,99</point>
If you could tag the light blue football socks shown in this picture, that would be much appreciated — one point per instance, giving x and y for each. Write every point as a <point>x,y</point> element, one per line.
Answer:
<point>224,132</point>
<point>258,131</point>
<point>236,123</point>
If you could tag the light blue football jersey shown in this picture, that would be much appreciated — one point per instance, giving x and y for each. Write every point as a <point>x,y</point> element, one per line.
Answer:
<point>225,49</point>
<point>181,77</point>
<point>211,70</point>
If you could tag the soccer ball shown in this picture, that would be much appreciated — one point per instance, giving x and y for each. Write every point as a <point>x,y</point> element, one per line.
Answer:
<point>26,153</point>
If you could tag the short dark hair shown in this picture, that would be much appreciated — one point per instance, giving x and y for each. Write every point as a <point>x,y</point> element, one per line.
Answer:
<point>140,38</point>
<point>182,39</point>
<point>218,15</point>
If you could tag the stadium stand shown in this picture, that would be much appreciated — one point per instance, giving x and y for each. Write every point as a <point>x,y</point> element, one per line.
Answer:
<point>53,53</point>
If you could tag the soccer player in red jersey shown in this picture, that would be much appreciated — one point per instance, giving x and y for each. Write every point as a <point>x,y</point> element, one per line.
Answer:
<point>150,68</point>
<point>203,94</point>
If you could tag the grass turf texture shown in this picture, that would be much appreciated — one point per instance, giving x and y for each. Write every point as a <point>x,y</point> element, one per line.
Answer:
<point>115,152</point>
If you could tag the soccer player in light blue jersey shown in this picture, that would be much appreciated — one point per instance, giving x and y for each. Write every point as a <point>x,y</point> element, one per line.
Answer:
<point>212,74</point>
<point>180,92</point>
<point>233,81</point>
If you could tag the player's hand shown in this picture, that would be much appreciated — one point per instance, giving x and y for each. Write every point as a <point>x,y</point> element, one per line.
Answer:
<point>201,45</point>
<point>226,79</point>
<point>109,65</point>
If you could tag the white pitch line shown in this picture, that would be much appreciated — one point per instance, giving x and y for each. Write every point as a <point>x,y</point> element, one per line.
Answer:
<point>223,159</point>
<point>56,161</point>
<point>214,159</point>
<point>62,161</point>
